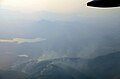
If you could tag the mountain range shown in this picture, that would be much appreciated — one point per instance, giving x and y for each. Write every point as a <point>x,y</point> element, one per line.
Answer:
<point>103,67</point>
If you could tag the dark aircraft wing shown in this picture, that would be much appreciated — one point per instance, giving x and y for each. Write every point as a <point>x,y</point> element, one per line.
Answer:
<point>104,3</point>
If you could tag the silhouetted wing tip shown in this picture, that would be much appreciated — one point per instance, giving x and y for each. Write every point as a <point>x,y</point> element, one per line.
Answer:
<point>103,4</point>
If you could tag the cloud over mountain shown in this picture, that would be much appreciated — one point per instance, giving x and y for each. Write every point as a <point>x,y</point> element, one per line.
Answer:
<point>22,40</point>
<point>24,55</point>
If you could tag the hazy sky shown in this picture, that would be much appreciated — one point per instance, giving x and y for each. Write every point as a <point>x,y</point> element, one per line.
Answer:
<point>52,10</point>
<point>58,6</point>
<point>49,5</point>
